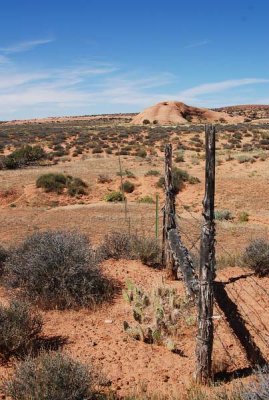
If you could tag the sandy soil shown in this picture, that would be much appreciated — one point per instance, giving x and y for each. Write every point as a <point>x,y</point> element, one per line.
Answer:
<point>98,337</point>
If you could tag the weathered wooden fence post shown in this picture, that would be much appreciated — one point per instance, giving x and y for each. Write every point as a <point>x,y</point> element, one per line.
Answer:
<point>169,221</point>
<point>204,345</point>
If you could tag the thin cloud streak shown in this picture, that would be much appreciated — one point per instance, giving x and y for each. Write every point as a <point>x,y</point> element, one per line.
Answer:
<point>219,86</point>
<point>197,44</point>
<point>95,88</point>
<point>24,46</point>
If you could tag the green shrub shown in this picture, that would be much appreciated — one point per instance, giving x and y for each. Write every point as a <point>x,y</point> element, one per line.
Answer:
<point>20,327</point>
<point>179,177</point>
<point>146,122</point>
<point>222,215</point>
<point>24,156</point>
<point>127,173</point>
<point>141,153</point>
<point>152,172</point>
<point>58,182</point>
<point>51,376</point>
<point>97,150</point>
<point>146,200</point>
<point>256,257</point>
<point>57,269</point>
<point>76,186</point>
<point>128,187</point>
<point>114,197</point>
<point>52,182</point>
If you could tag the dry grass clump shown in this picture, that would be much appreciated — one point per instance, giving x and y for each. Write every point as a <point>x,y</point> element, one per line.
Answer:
<point>57,269</point>
<point>256,257</point>
<point>115,245</point>
<point>20,326</point>
<point>121,245</point>
<point>51,376</point>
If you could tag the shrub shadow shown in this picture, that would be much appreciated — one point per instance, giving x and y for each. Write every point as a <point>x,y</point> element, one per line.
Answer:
<point>49,343</point>
<point>228,376</point>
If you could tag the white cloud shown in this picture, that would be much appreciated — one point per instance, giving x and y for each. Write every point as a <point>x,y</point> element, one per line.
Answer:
<point>96,88</point>
<point>24,46</point>
<point>219,86</point>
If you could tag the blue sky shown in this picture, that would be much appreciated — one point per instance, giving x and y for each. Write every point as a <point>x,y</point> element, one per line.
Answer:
<point>94,56</point>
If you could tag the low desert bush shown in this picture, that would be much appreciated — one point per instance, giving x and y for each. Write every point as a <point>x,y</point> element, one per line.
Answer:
<point>121,245</point>
<point>256,257</point>
<point>179,157</point>
<point>243,216</point>
<point>129,174</point>
<point>3,257</point>
<point>114,197</point>
<point>128,187</point>
<point>146,200</point>
<point>152,172</point>
<point>179,177</point>
<point>146,249</point>
<point>24,156</point>
<point>244,159</point>
<point>141,153</point>
<point>221,215</point>
<point>57,269</point>
<point>103,178</point>
<point>115,245</point>
<point>20,326</point>
<point>51,376</point>
<point>53,182</point>
<point>76,186</point>
<point>97,150</point>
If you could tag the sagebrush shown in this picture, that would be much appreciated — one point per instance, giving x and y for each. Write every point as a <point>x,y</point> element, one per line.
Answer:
<point>57,269</point>
<point>51,376</point>
<point>20,326</point>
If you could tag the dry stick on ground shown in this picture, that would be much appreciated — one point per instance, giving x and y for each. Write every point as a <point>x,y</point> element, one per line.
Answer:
<point>204,346</point>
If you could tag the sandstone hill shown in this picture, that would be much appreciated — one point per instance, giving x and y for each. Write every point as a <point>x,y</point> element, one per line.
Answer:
<point>174,112</point>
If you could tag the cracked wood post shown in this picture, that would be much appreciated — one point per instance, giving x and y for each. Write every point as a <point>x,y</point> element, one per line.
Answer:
<point>204,344</point>
<point>169,212</point>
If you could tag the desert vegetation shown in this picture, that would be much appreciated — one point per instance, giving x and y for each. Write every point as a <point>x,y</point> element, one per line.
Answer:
<point>81,258</point>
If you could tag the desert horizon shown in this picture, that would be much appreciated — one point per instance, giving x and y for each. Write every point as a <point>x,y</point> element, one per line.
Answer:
<point>134,200</point>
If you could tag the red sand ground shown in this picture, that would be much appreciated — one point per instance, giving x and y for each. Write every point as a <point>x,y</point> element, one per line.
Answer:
<point>97,336</point>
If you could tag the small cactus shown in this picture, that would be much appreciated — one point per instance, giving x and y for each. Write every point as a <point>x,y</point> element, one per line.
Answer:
<point>158,315</point>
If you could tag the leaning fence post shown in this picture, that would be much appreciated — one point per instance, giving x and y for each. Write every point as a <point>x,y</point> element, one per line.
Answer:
<point>169,211</point>
<point>204,345</point>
